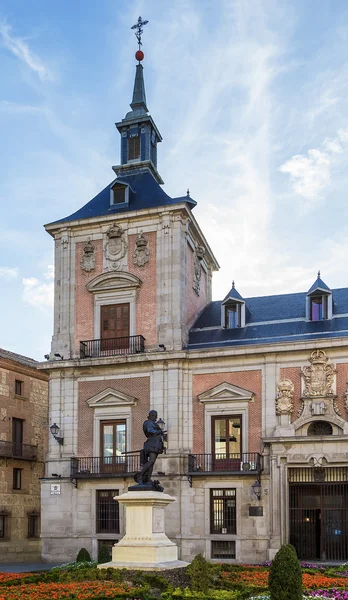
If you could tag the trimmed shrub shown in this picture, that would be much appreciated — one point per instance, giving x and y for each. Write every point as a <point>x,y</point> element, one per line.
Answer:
<point>202,574</point>
<point>103,555</point>
<point>285,577</point>
<point>83,556</point>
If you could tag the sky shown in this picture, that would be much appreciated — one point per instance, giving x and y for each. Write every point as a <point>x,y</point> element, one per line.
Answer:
<point>251,98</point>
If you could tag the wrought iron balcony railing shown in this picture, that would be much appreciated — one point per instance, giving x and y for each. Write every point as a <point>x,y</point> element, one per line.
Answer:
<point>132,344</point>
<point>99,466</point>
<point>16,450</point>
<point>250,462</point>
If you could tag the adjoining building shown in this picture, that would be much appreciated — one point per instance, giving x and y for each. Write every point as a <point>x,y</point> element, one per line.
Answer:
<point>23,445</point>
<point>253,390</point>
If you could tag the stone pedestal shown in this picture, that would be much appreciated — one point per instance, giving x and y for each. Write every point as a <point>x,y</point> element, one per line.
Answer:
<point>145,545</point>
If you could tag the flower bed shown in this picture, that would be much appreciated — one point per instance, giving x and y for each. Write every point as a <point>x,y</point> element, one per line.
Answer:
<point>55,591</point>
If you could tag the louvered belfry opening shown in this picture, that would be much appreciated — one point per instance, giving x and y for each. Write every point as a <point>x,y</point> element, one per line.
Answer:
<point>318,513</point>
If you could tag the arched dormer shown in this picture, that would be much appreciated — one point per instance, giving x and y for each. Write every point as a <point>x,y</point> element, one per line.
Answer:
<point>233,310</point>
<point>319,301</point>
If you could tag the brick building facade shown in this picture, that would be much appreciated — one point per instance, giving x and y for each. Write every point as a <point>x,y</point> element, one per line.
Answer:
<point>23,444</point>
<point>253,390</point>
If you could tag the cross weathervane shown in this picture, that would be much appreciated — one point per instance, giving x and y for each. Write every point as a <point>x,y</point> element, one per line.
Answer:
<point>139,26</point>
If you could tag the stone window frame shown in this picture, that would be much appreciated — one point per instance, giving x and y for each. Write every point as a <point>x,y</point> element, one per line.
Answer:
<point>114,288</point>
<point>33,525</point>
<point>209,537</point>
<point>109,405</point>
<point>96,537</point>
<point>222,400</point>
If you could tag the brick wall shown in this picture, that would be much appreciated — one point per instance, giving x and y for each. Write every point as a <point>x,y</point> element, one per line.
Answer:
<point>138,387</point>
<point>84,300</point>
<point>194,303</point>
<point>32,407</point>
<point>146,299</point>
<point>342,378</point>
<point>249,380</point>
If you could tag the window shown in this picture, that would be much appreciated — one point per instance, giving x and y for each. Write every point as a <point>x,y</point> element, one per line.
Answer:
<point>19,387</point>
<point>134,148</point>
<point>320,428</point>
<point>4,515</point>
<point>223,549</point>
<point>108,514</point>
<point>17,437</point>
<point>232,316</point>
<point>113,436</point>
<point>17,479</point>
<point>108,544</point>
<point>318,308</point>
<point>223,511</point>
<point>33,524</point>
<point>227,443</point>
<point>114,327</point>
<point>119,194</point>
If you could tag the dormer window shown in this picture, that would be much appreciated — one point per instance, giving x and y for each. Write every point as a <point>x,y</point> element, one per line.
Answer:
<point>119,194</point>
<point>233,310</point>
<point>134,148</point>
<point>319,301</point>
<point>232,316</point>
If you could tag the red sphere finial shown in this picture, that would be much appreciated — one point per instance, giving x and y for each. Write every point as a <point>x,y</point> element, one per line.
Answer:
<point>139,55</point>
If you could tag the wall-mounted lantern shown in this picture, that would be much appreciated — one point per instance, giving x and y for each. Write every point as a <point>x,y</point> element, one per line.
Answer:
<point>256,488</point>
<point>54,429</point>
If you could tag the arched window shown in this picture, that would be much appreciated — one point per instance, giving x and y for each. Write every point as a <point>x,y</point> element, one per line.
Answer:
<point>320,428</point>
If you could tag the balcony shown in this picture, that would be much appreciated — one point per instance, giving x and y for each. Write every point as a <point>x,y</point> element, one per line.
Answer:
<point>113,466</point>
<point>133,344</point>
<point>18,451</point>
<point>249,463</point>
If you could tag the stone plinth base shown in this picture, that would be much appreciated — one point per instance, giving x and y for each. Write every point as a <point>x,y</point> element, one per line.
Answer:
<point>145,545</point>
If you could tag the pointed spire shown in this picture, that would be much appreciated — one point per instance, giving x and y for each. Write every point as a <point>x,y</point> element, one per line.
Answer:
<point>188,192</point>
<point>139,97</point>
<point>233,284</point>
<point>319,274</point>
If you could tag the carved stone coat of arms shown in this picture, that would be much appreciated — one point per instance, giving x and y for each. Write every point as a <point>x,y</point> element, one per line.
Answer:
<point>141,254</point>
<point>115,248</point>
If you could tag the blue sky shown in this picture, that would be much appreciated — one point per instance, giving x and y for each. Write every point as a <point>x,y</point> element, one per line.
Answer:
<point>251,98</point>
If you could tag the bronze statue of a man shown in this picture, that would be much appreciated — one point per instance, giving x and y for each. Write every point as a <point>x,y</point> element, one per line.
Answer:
<point>152,448</point>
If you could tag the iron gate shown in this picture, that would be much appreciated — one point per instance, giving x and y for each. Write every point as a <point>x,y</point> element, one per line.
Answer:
<point>319,520</point>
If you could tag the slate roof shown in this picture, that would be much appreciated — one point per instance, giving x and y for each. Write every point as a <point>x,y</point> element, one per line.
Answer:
<point>144,193</point>
<point>270,320</point>
<point>25,360</point>
<point>233,294</point>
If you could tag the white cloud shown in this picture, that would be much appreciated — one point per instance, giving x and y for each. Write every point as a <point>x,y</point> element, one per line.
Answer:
<point>38,293</point>
<point>8,273</point>
<point>15,108</point>
<point>310,174</point>
<point>21,50</point>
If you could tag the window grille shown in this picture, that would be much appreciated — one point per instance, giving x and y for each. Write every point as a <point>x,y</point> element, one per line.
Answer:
<point>320,428</point>
<point>108,514</point>
<point>223,511</point>
<point>223,549</point>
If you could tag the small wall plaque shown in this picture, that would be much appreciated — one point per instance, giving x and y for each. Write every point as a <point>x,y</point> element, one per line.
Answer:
<point>55,489</point>
<point>255,511</point>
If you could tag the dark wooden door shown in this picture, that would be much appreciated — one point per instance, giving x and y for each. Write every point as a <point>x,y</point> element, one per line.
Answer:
<point>227,443</point>
<point>17,436</point>
<point>113,437</point>
<point>114,327</point>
